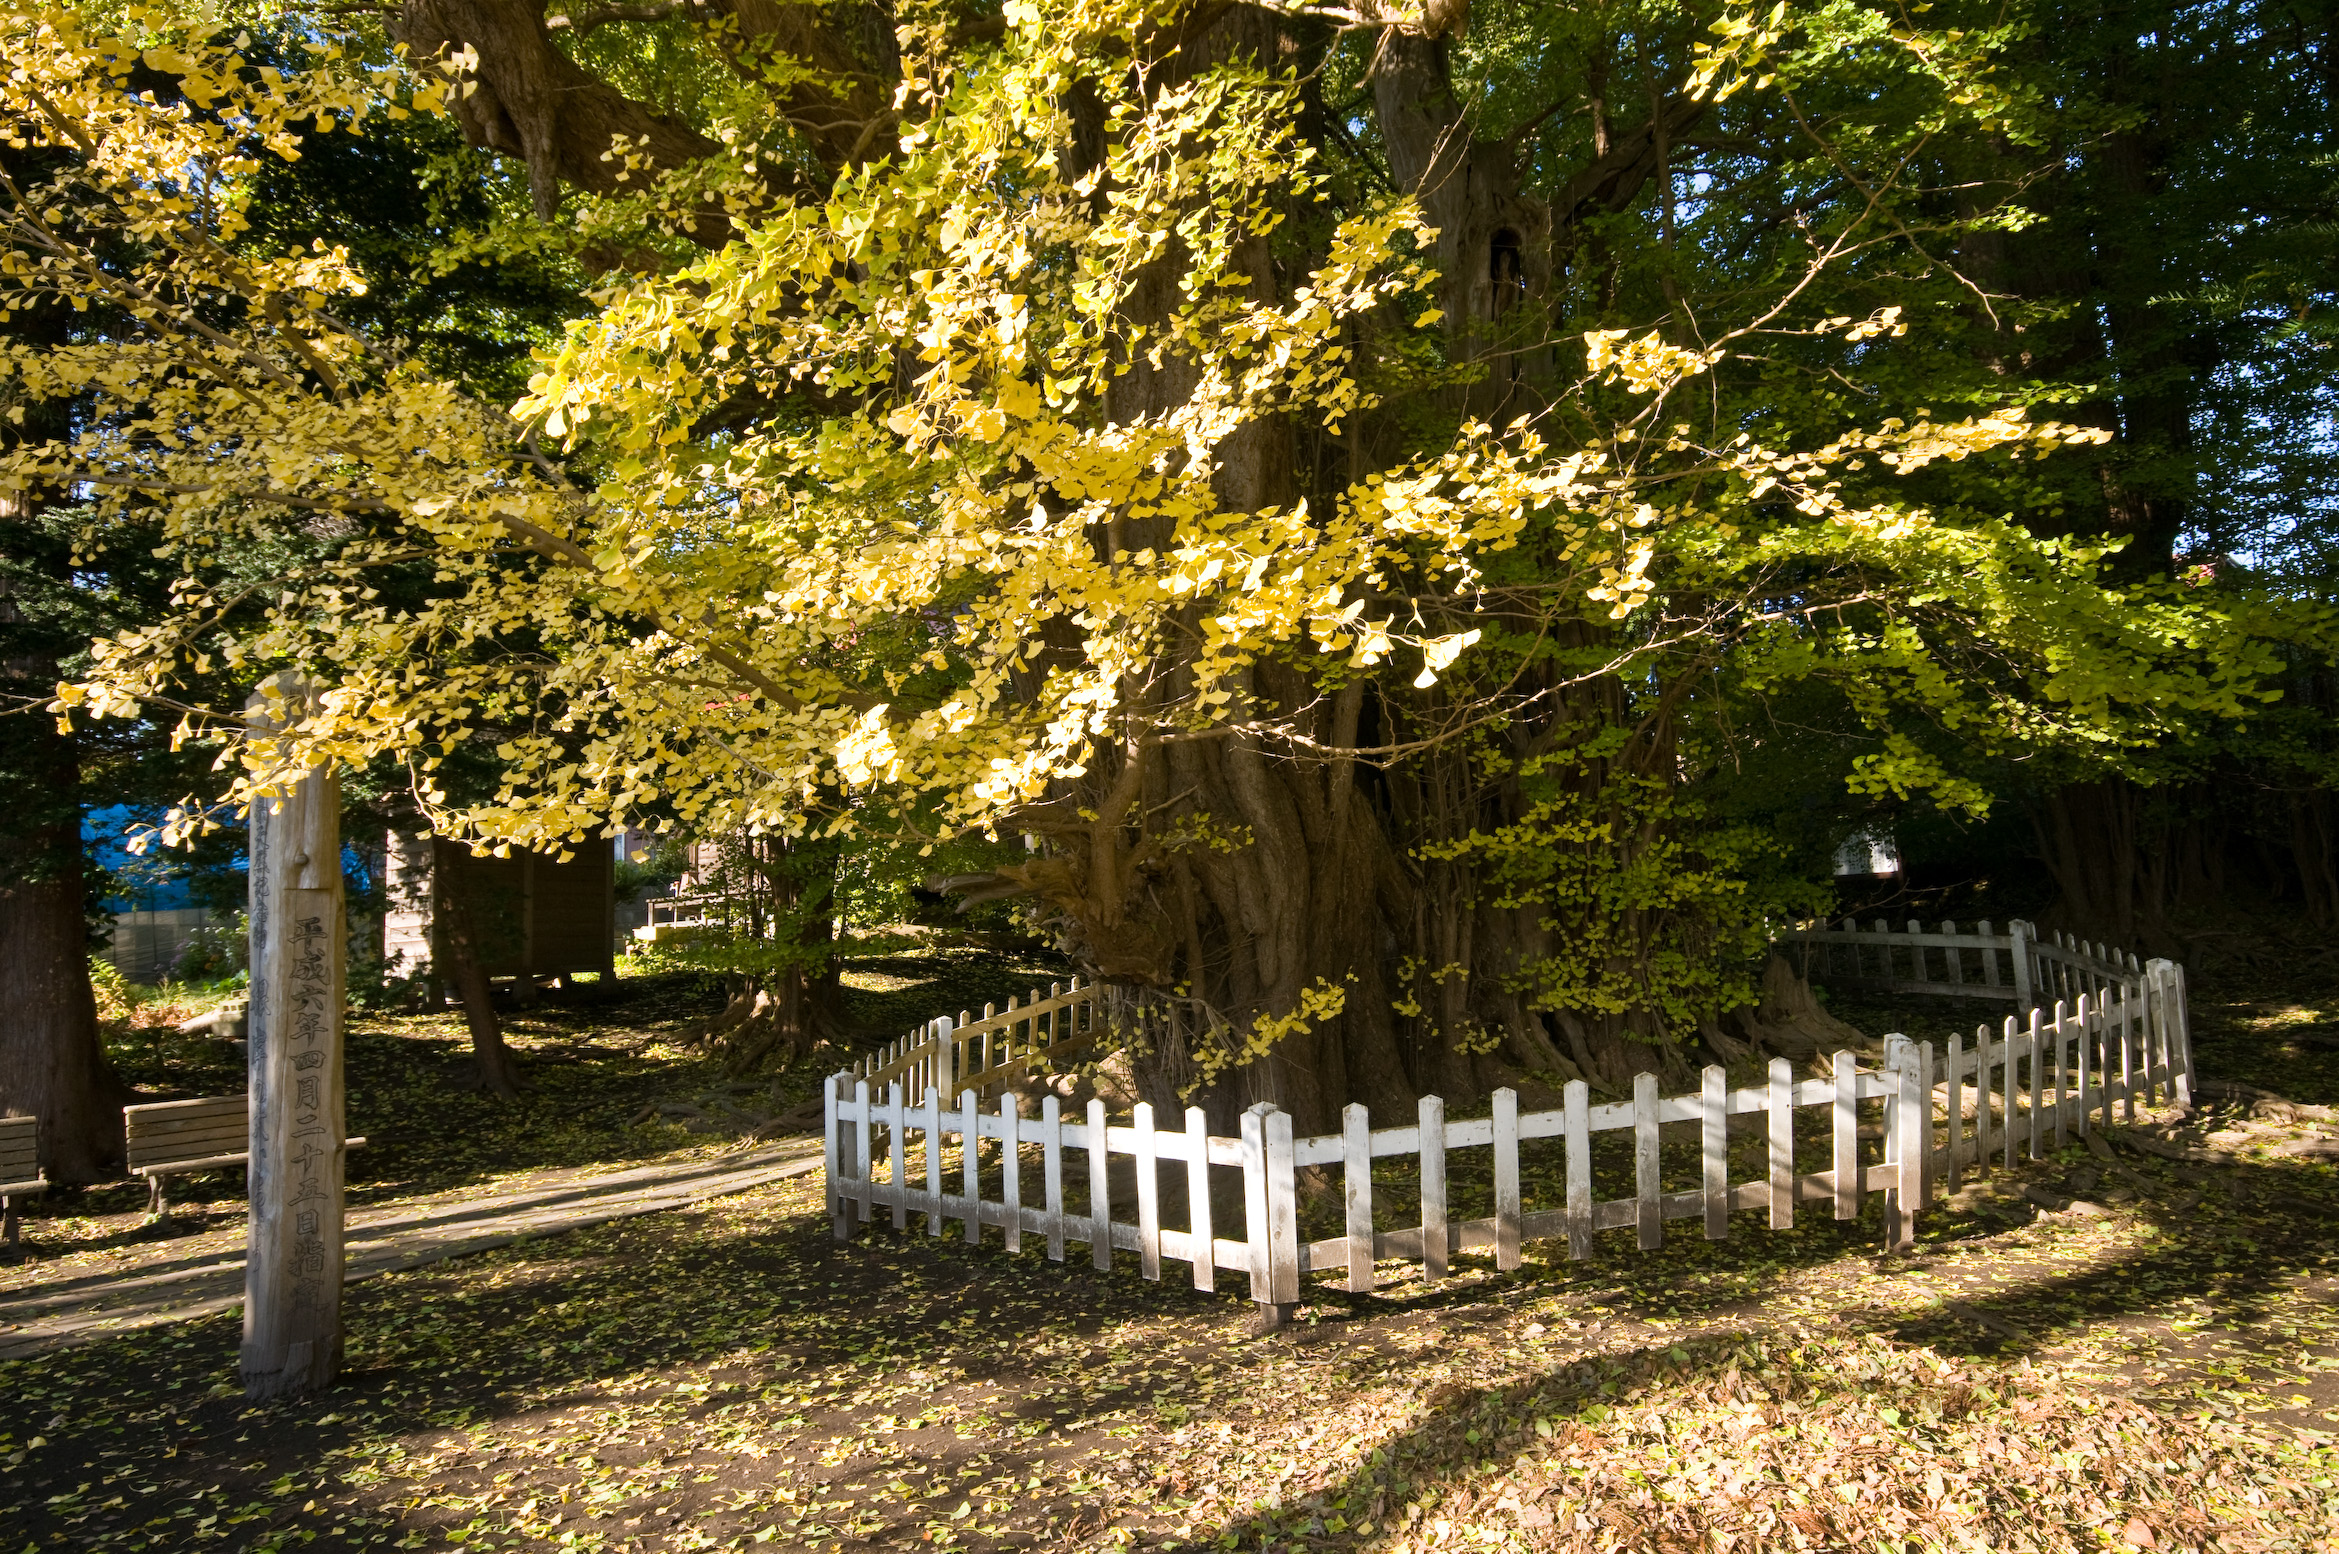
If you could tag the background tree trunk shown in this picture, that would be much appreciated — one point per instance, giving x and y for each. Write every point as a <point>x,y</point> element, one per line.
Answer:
<point>52,1065</point>
<point>459,952</point>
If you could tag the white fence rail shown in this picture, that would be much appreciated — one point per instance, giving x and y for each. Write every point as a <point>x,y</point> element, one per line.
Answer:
<point>2018,965</point>
<point>1942,1115</point>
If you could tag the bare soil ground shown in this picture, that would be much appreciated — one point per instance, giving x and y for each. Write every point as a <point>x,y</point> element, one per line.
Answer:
<point>2163,1374</point>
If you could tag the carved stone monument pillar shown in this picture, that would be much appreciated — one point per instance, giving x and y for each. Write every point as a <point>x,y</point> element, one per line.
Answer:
<point>293,1259</point>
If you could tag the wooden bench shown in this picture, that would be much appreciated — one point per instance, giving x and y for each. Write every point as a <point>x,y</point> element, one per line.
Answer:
<point>20,1169</point>
<point>170,1138</point>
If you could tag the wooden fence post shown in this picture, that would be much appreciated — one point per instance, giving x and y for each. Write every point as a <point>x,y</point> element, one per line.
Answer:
<point>1714,1149</point>
<point>1647,1185</point>
<point>1010,1167</point>
<point>1506,1179</point>
<point>1270,1218</point>
<point>1903,1143</point>
<point>1357,1177</point>
<point>864,1173</point>
<point>934,1159</point>
<point>970,1162</point>
<point>1100,1189</point>
<point>1148,1194</point>
<point>2181,1032</point>
<point>1433,1188</point>
<point>897,1153</point>
<point>1282,1214</point>
<point>832,1120</point>
<point>2168,1005</point>
<point>1782,1144</point>
<point>1578,1099</point>
<point>2020,933</point>
<point>293,1239</point>
<point>1846,1140</point>
<point>1052,1171</point>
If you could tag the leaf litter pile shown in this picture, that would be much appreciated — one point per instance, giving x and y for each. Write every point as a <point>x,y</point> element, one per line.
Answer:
<point>2160,1374</point>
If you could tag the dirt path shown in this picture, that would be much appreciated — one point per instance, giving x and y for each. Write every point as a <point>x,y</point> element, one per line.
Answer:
<point>58,1304</point>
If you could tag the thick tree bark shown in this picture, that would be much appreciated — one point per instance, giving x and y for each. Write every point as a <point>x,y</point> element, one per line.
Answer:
<point>525,98</point>
<point>52,1065</point>
<point>1218,881</point>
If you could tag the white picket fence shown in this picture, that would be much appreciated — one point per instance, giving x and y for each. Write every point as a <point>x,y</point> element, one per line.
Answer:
<point>1031,1037</point>
<point>2020,1092</point>
<point>2018,965</point>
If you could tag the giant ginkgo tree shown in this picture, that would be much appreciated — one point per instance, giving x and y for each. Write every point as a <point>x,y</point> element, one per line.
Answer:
<point>1201,438</point>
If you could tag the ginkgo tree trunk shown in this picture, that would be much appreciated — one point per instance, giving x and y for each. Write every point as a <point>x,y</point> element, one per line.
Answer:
<point>1080,433</point>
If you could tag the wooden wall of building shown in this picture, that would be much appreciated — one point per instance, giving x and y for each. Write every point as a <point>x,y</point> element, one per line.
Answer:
<point>532,914</point>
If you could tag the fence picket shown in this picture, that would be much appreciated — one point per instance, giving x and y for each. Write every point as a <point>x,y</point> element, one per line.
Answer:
<point>896,1152</point>
<point>2010,1055</point>
<point>1433,1187</point>
<point>1100,1188</point>
<point>1647,1163</point>
<point>1205,1259</point>
<point>1924,1123</point>
<point>1906,1145</point>
<point>833,1087</point>
<point>1282,1213</point>
<point>2055,1034</point>
<point>970,1160</point>
<point>2033,1039</point>
<point>1984,1095</point>
<point>2092,1023</point>
<point>862,1175</point>
<point>1506,1179</point>
<point>1011,1165</point>
<point>1956,1109</point>
<point>1714,1150</point>
<point>933,1130</point>
<point>1577,1098</point>
<point>2026,1075</point>
<point>1782,1144</point>
<point>1847,1137</point>
<point>1148,1196</point>
<point>1255,1200</point>
<point>1052,1172</point>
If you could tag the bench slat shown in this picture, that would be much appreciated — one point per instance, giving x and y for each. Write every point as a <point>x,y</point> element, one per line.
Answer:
<point>179,1164</point>
<point>24,1189</point>
<point>192,1164</point>
<point>191,1126</point>
<point>174,1136</point>
<point>156,1111</point>
<point>234,1144</point>
<point>20,1162</point>
<point>208,1132</point>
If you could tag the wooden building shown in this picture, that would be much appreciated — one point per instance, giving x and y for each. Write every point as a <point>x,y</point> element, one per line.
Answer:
<point>532,915</point>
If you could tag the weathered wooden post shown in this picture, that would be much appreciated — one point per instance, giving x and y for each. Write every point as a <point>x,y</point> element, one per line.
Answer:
<point>293,1256</point>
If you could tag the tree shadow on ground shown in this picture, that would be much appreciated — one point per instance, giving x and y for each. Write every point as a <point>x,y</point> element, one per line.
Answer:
<point>735,1368</point>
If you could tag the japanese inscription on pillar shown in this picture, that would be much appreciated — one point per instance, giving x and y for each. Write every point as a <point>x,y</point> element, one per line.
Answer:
<point>312,1157</point>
